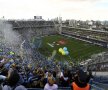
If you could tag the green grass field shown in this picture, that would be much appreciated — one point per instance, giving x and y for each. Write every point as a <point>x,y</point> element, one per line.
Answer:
<point>78,50</point>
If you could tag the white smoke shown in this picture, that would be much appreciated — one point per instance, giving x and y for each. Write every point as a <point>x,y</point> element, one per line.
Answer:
<point>8,35</point>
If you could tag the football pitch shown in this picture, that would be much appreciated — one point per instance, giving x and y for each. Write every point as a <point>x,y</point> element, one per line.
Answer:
<point>78,50</point>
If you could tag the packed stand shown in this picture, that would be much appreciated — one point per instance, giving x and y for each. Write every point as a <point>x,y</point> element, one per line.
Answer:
<point>18,74</point>
<point>99,62</point>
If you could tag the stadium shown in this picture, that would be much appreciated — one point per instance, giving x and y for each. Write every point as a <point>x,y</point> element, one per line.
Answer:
<point>52,46</point>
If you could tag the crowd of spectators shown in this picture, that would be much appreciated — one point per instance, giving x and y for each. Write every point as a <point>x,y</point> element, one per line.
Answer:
<point>19,74</point>
<point>99,62</point>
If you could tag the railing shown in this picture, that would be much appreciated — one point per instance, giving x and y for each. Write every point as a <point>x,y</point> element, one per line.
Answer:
<point>60,88</point>
<point>93,87</point>
<point>103,86</point>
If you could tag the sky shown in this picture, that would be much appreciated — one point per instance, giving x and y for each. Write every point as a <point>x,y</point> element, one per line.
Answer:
<point>67,9</point>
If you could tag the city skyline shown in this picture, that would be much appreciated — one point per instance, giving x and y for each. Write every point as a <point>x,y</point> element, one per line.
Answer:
<point>67,9</point>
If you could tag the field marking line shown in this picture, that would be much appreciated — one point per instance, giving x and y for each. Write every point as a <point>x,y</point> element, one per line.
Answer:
<point>50,45</point>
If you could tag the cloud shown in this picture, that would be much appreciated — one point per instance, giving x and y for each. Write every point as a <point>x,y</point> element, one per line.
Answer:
<point>81,0</point>
<point>82,9</point>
